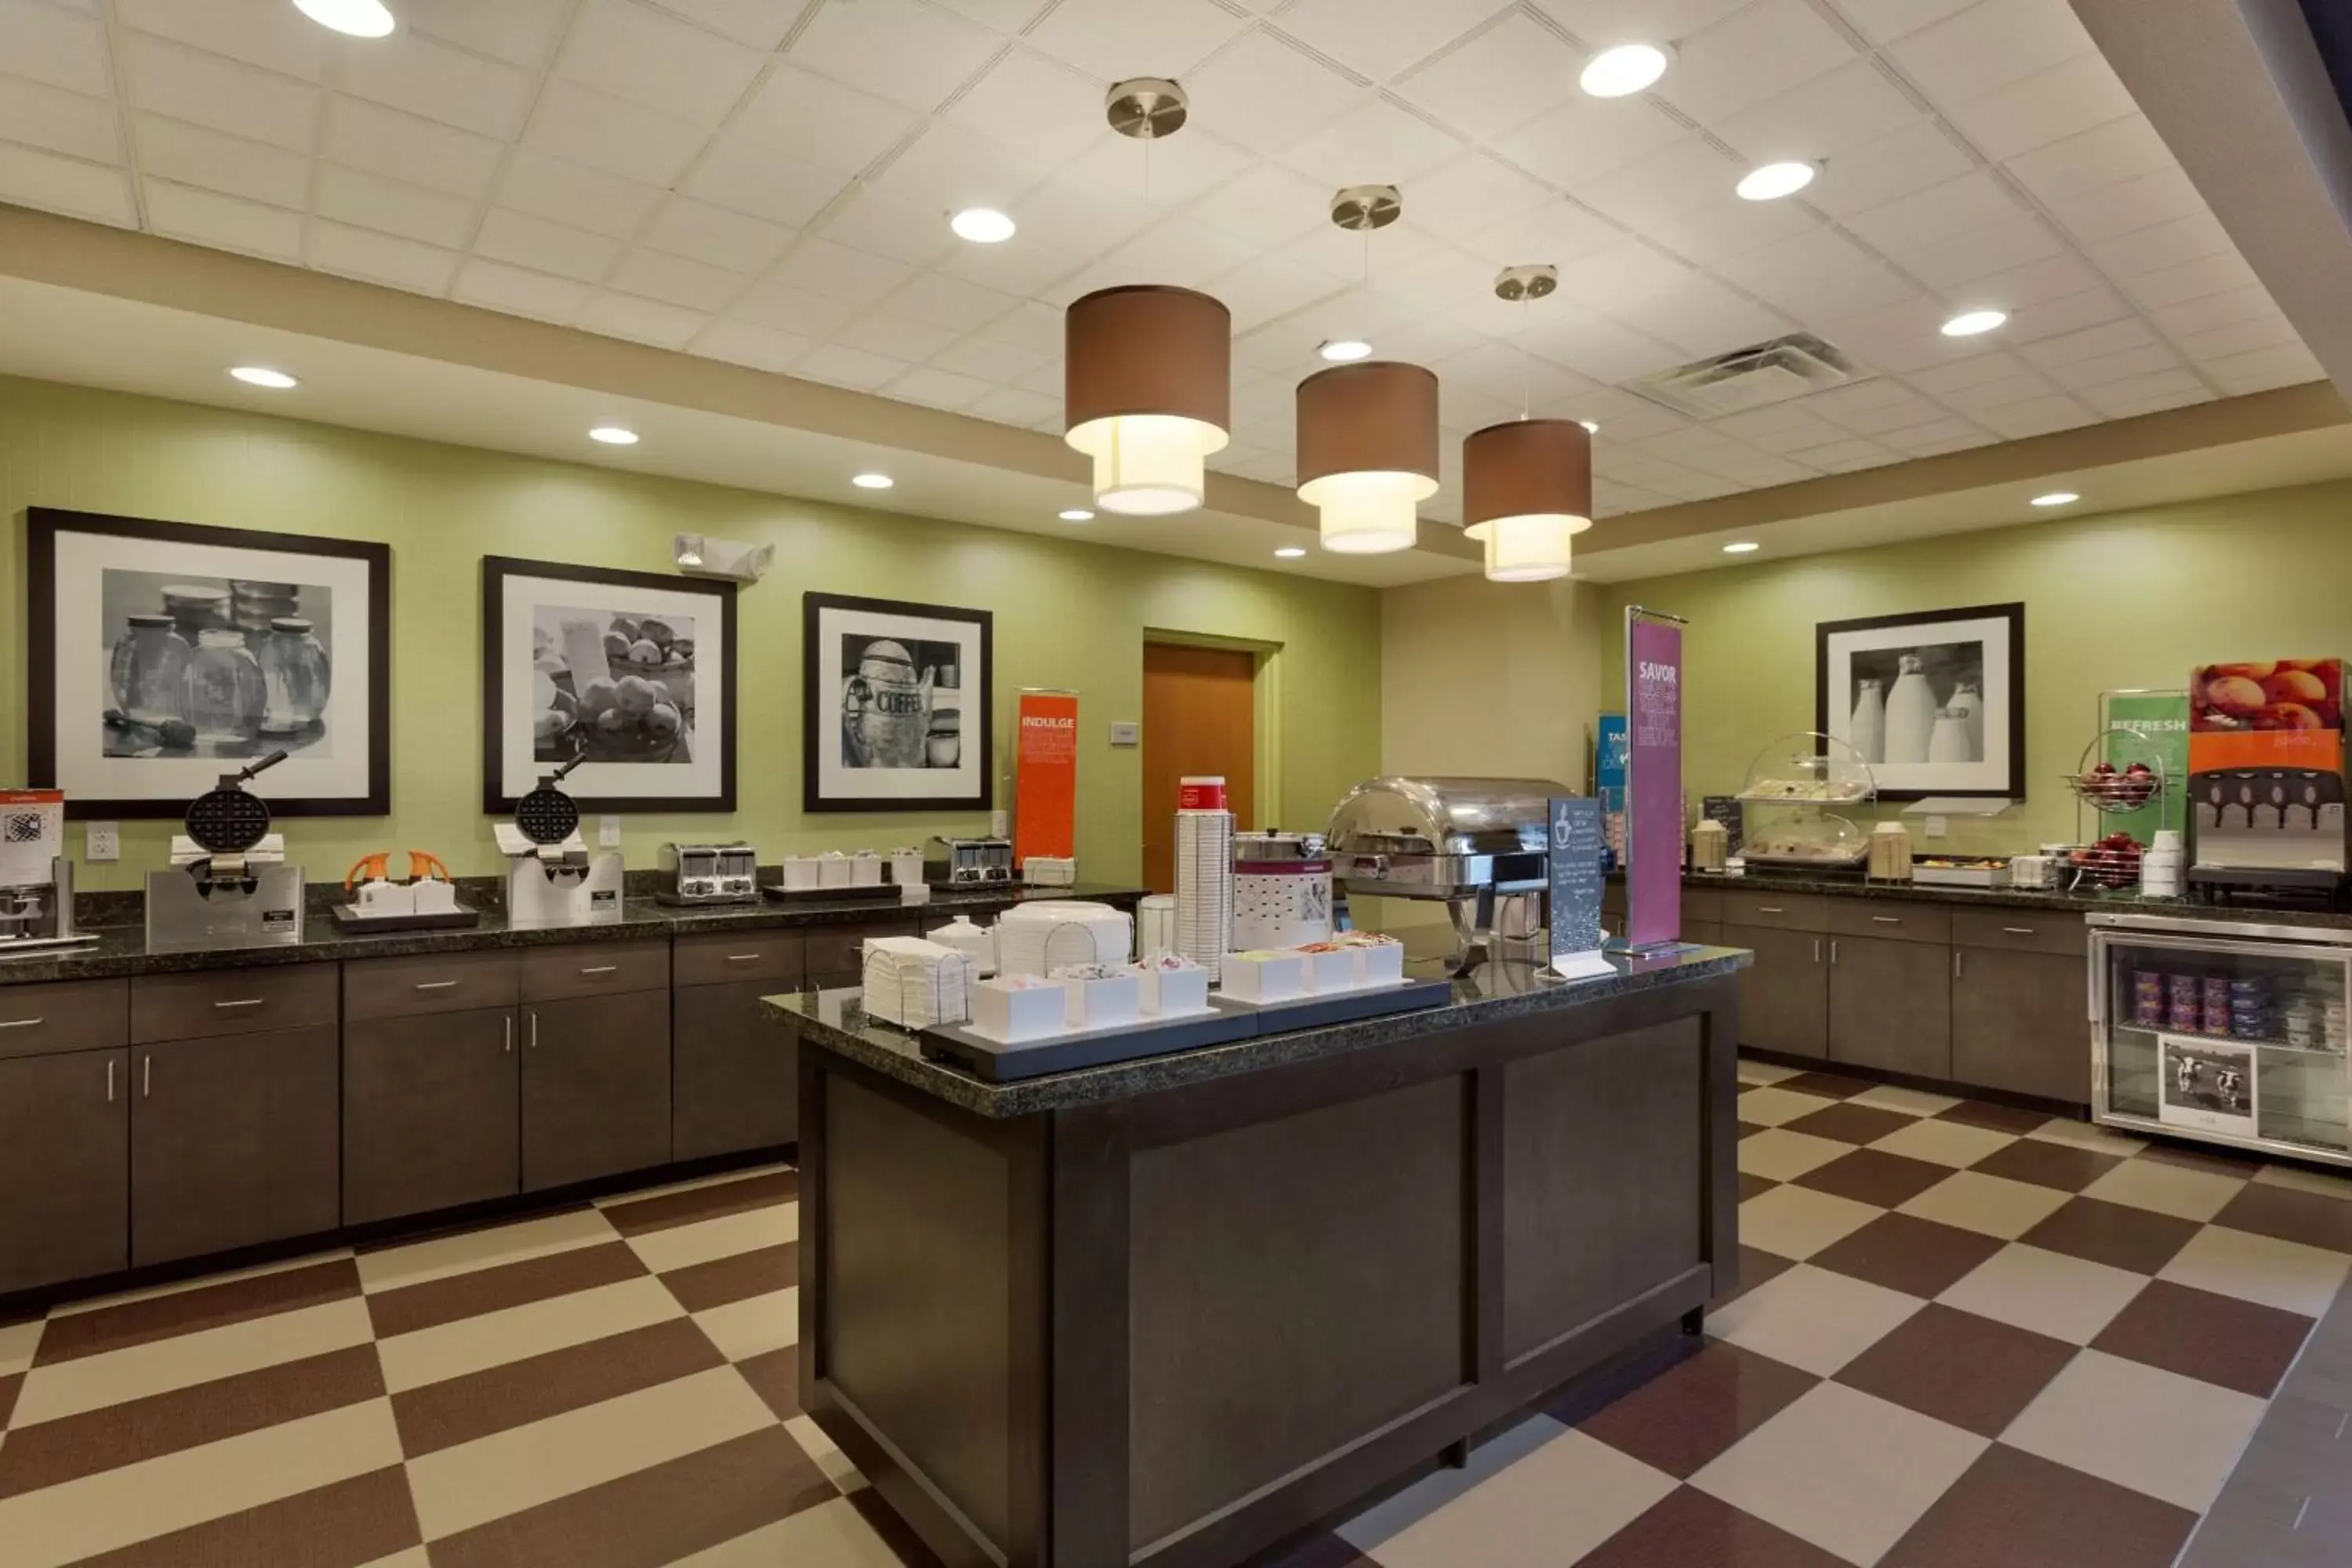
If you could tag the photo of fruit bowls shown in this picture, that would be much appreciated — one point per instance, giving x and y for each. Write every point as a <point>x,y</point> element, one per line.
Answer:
<point>611,688</point>
<point>2267,694</point>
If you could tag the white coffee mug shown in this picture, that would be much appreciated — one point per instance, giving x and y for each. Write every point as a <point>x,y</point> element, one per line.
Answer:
<point>434,896</point>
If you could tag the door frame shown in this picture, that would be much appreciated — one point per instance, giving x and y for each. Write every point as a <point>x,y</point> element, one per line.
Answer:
<point>1266,708</point>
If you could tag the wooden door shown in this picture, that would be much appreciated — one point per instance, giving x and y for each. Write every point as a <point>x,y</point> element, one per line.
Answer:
<point>1891,1005</point>
<point>2020,1021</point>
<point>596,1088</point>
<point>65,1168</point>
<point>1200,716</point>
<point>429,1112</point>
<point>234,1141</point>
<point>1784,995</point>
<point>735,1084</point>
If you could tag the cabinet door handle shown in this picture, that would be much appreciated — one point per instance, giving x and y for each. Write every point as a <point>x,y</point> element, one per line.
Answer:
<point>1817,950</point>
<point>146,1075</point>
<point>1832,950</point>
<point>110,1080</point>
<point>1769,909</point>
<point>240,1002</point>
<point>602,969</point>
<point>436,985</point>
<point>1956,963</point>
<point>742,958</point>
<point>534,1029</point>
<point>2017,931</point>
<point>1886,920</point>
<point>22,1023</point>
<point>509,1046</point>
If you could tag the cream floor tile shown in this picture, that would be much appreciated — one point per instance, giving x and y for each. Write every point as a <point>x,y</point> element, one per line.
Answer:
<point>1990,1205</point>
<point>1813,1318</point>
<point>117,1507</point>
<point>2296,1179</point>
<point>696,1184</point>
<point>829,1459</point>
<point>494,1338</point>
<point>2167,1189</point>
<point>1843,1469</point>
<point>1797,1222</point>
<point>1954,1143</point>
<point>1772,1107</point>
<point>1779,1155</point>
<point>2068,1298</point>
<point>446,1255</point>
<point>1553,1506</point>
<point>1760,1074</point>
<point>508,1471</point>
<point>2170,1436</point>
<point>18,1342</point>
<point>755,1325</point>
<point>92,1382</point>
<point>1434,1491</point>
<point>414,1557</point>
<point>2088,1135</point>
<point>1910,1102</point>
<point>2283,1274</point>
<point>831,1535</point>
<point>682,1247</point>
<point>179,1286</point>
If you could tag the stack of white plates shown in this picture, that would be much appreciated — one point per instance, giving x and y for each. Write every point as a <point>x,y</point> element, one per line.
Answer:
<point>1204,885</point>
<point>1041,936</point>
<point>917,983</point>
<point>1155,924</point>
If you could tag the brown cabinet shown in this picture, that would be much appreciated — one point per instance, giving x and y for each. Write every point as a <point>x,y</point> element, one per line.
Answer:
<point>835,952</point>
<point>1891,1005</point>
<point>734,1077</point>
<point>234,1140</point>
<point>2021,1022</point>
<point>2031,931</point>
<point>1894,919</point>
<point>431,1112</point>
<point>64,1016</point>
<point>65,1166</point>
<point>594,969</point>
<point>596,1088</point>
<point>204,1002</point>
<point>1784,995</point>
<point>722,958</point>
<point>431,983</point>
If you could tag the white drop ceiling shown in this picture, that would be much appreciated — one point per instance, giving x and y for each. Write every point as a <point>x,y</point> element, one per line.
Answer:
<point>766,182</point>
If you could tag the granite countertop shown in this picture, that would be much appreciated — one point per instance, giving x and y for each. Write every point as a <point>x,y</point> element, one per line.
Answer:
<point>122,950</point>
<point>1496,991</point>
<point>2118,902</point>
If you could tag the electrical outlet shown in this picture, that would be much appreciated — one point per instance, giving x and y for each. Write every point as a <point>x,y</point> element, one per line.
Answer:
<point>1938,826</point>
<point>105,842</point>
<point>998,824</point>
<point>608,833</point>
<point>1127,734</point>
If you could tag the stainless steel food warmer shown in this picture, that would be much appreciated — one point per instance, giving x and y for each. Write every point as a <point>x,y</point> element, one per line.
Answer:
<point>1479,845</point>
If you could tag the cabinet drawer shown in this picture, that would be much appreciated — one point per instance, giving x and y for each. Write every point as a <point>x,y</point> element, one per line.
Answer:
<point>1702,904</point>
<point>716,958</point>
<point>231,1001</point>
<point>835,956</point>
<point>589,969</point>
<point>1792,911</point>
<point>429,982</point>
<point>66,1015</point>
<point>2026,931</point>
<point>1888,918</point>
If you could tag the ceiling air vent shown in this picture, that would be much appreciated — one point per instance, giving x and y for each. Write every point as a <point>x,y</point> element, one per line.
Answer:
<point>1752,378</point>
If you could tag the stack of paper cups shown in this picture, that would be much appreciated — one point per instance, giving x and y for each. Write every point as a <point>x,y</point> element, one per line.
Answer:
<point>1204,871</point>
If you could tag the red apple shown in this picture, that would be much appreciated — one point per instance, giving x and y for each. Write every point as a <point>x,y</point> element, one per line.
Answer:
<point>2300,686</point>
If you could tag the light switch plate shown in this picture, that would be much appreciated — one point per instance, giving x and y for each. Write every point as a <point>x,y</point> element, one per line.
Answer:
<point>1128,734</point>
<point>1939,826</point>
<point>608,833</point>
<point>998,824</point>
<point>104,843</point>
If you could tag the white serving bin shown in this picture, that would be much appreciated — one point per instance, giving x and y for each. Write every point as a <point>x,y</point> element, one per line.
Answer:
<point>1032,1011</point>
<point>1381,965</point>
<point>1277,977</point>
<point>1173,993</point>
<point>1329,971</point>
<point>1109,1004</point>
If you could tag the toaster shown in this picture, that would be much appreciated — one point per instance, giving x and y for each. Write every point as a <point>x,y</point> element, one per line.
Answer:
<point>709,874</point>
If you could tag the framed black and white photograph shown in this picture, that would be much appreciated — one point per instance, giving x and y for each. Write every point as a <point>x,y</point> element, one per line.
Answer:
<point>1933,701</point>
<point>165,654</point>
<point>897,714</point>
<point>631,674</point>
<point>2208,1085</point>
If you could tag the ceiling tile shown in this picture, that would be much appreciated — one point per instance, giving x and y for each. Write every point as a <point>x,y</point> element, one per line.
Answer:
<point>741,342</point>
<point>950,302</point>
<point>2208,312</point>
<point>762,182</point>
<point>819,121</point>
<point>609,134</point>
<point>1851,106</point>
<point>2064,101</point>
<point>1504,77</point>
<point>411,212</point>
<point>1586,138</point>
<point>44,180</point>
<point>55,46</point>
<point>2105,211</point>
<point>781,306</point>
<point>1178,251</point>
<point>365,135</point>
<point>657,61</point>
<point>855,368</point>
<point>60,122</point>
<point>837,272</point>
<point>1846,456</point>
<point>1980,369</point>
<point>1161,178</point>
<point>1757,53</point>
<point>1001,16</point>
<point>1258,291</point>
<point>1682,177</point>
<point>1028,325</point>
<point>1978,397</point>
<point>519,31</point>
<point>1817,276</point>
<point>948,169</point>
<point>1887,20</point>
<point>1268,96</point>
<point>1381,38</point>
<point>1988,47</point>
<point>715,236</point>
<point>566,193</point>
<point>1376,143</point>
<point>381,258</point>
<point>1113,39</point>
<point>1271,202</point>
<point>259,32</point>
<point>884,225</point>
<point>894,337</point>
<point>674,281</point>
<point>1020,267</point>
<point>988,359</point>
<point>2035,283</point>
<point>1011,406</point>
<point>645,320</point>
<point>410,71</point>
<point>530,242</point>
<point>2289,366</point>
<point>1926,218</point>
<point>2055,318</point>
<point>2039,416</point>
<point>226,223</point>
<point>903,51</point>
<point>2163,245</point>
<point>2119,150</point>
<point>1996,247</point>
<point>1556,232</point>
<point>224,95</point>
<point>2093,344</point>
<point>2269,331</point>
<point>2148,394</point>
<point>1915,439</point>
<point>1914,159</point>
<point>1047,109</point>
<point>2080,375</point>
<point>937,388</point>
<point>192,155</point>
<point>2209,276</point>
<point>758,24</point>
<point>1604,352</point>
<point>1795,430</point>
<point>1730,227</point>
<point>1701,317</point>
<point>1599,23</point>
<point>1075,218</point>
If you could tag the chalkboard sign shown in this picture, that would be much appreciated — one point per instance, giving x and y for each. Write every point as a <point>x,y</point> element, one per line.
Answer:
<point>1578,844</point>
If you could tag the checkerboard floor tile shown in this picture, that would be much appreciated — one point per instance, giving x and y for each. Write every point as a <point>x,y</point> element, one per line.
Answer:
<point>1964,1334</point>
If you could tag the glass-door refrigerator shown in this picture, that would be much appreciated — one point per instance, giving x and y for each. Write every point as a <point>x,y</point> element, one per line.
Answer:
<point>2232,1032</point>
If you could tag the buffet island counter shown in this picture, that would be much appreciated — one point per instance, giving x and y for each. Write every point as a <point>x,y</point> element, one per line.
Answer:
<point>1172,1310</point>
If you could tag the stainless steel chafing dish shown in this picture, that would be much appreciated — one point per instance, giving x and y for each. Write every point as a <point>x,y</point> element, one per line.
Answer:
<point>1477,844</point>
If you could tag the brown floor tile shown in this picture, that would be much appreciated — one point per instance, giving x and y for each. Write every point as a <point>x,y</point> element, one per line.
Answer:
<point>1852,1123</point>
<point>2014,1510</point>
<point>1996,1118</point>
<point>1827,1084</point>
<point>2058,1166</point>
<point>695,1204</point>
<point>400,1238</point>
<point>735,1279</point>
<point>654,1516</point>
<point>349,1522</point>
<point>495,1288</point>
<point>1756,1266</point>
<point>9,1388</point>
<point>79,1334</point>
<point>460,1409</point>
<point>2114,1234</point>
<point>1752,1186</point>
<point>1681,1419</point>
<point>1691,1530</point>
<point>1961,1369</point>
<point>775,1376</point>
<point>1314,1551</point>
<point>2208,1158</point>
<point>2219,1339</point>
<point>1872,1176</point>
<point>2290,1215</point>
<point>909,1547</point>
<point>1916,1256</point>
<point>1749,1129</point>
<point>73,1447</point>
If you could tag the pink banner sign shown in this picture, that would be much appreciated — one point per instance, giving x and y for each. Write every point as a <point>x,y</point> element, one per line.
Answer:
<point>1654,804</point>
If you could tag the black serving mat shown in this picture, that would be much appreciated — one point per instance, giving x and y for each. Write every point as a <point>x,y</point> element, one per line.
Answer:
<point>352,923</point>
<point>1002,1061</point>
<point>784,895</point>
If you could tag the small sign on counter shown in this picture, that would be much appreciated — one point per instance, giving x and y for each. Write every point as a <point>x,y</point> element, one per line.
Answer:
<point>1579,846</point>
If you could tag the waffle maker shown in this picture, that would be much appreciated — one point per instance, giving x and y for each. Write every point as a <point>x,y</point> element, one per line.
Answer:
<point>552,879</point>
<point>229,885</point>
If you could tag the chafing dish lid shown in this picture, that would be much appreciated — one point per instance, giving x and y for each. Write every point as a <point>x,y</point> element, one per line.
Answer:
<point>1397,815</point>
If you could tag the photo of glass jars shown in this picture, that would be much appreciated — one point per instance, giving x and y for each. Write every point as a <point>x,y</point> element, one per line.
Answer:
<point>199,667</point>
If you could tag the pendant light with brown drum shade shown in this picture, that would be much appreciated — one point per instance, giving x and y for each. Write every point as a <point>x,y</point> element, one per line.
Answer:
<point>1526,485</point>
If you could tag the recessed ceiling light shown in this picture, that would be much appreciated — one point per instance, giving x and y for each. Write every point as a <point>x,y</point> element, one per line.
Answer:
<point>1592,427</point>
<point>257,375</point>
<point>1627,68</point>
<point>1078,514</point>
<point>1970,323</point>
<point>1290,552</point>
<point>1340,350</point>
<point>1773,181</point>
<point>1742,547</point>
<point>982,226</point>
<point>614,436</point>
<point>359,18</point>
<point>2057,498</point>
<point>872,482</point>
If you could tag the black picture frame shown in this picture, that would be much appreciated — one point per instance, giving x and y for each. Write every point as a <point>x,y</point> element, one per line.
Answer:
<point>43,525</point>
<point>496,571</point>
<point>2012,691</point>
<point>821,713</point>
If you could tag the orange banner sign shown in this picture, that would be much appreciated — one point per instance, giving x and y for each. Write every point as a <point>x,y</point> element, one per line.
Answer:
<point>1046,777</point>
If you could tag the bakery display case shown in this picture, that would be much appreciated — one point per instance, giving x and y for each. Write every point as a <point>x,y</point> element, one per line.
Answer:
<point>1804,805</point>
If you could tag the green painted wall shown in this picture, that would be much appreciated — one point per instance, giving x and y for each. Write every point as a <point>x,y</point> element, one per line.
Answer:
<point>2125,599</point>
<point>1067,614</point>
